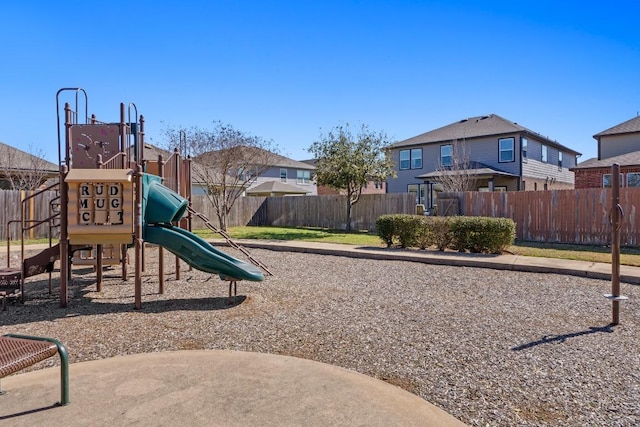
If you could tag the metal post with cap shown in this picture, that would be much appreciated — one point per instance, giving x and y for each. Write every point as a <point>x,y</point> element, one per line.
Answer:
<point>615,216</point>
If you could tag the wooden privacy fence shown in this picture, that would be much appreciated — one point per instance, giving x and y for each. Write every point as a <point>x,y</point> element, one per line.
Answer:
<point>37,208</point>
<point>562,216</point>
<point>309,211</point>
<point>303,211</point>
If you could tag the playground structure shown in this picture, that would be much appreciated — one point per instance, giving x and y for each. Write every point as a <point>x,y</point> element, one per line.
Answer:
<point>112,199</point>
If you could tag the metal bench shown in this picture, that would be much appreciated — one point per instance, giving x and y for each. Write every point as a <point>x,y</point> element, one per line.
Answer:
<point>18,352</point>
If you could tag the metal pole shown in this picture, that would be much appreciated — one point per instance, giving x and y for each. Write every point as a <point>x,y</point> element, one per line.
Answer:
<point>138,236</point>
<point>616,215</point>
<point>160,248</point>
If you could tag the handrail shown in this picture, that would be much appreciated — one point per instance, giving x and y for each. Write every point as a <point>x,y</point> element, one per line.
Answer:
<point>23,229</point>
<point>32,222</point>
<point>111,163</point>
<point>86,112</point>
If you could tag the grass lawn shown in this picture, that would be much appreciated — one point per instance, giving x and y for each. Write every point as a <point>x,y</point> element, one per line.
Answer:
<point>629,256</point>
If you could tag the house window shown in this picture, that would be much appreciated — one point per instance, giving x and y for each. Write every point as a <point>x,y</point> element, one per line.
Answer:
<point>411,159</point>
<point>506,149</point>
<point>283,175</point>
<point>304,177</point>
<point>446,155</point>
<point>559,160</point>
<point>544,154</point>
<point>418,191</point>
<point>606,180</point>
<point>633,180</point>
<point>405,159</point>
<point>525,143</point>
<point>416,158</point>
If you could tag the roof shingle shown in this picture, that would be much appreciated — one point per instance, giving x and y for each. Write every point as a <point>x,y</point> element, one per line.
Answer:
<point>475,127</point>
<point>630,126</point>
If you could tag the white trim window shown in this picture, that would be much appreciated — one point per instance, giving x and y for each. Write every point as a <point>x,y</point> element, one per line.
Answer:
<point>418,190</point>
<point>283,175</point>
<point>506,149</point>
<point>559,160</point>
<point>411,159</point>
<point>303,177</point>
<point>446,155</point>
<point>416,158</point>
<point>606,180</point>
<point>545,154</point>
<point>525,143</point>
<point>633,179</point>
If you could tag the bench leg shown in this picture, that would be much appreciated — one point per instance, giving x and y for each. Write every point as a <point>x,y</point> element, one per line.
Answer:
<point>64,365</point>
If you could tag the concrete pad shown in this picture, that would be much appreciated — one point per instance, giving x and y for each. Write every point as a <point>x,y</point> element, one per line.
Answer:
<point>212,387</point>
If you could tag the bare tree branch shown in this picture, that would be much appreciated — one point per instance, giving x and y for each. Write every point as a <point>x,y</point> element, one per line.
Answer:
<point>226,162</point>
<point>456,176</point>
<point>21,170</point>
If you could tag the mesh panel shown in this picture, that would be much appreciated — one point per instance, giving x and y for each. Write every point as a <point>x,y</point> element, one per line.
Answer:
<point>17,354</point>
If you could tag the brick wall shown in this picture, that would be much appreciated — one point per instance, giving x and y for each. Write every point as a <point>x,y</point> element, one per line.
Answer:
<point>592,178</point>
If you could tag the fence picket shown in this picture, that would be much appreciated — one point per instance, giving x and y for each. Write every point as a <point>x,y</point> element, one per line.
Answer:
<point>563,216</point>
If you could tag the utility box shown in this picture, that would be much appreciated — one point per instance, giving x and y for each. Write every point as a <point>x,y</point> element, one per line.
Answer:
<point>100,209</point>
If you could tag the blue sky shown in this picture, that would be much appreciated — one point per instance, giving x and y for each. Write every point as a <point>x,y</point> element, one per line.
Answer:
<point>285,70</point>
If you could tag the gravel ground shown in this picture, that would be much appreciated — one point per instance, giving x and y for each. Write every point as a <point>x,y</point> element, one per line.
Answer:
<point>490,347</point>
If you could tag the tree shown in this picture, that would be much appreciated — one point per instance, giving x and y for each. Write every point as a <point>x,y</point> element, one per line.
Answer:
<point>20,170</point>
<point>347,162</point>
<point>225,160</point>
<point>456,176</point>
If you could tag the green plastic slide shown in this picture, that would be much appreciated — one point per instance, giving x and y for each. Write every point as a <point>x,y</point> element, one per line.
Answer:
<point>200,254</point>
<point>161,206</point>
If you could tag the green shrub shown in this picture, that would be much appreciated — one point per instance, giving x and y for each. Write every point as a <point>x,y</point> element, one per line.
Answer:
<point>424,233</point>
<point>407,227</point>
<point>473,234</point>
<point>441,230</point>
<point>385,227</point>
<point>482,234</point>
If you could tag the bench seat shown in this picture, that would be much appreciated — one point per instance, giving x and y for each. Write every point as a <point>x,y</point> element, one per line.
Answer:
<point>18,352</point>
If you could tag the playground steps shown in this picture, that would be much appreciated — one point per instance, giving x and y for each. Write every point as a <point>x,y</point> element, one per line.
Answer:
<point>231,243</point>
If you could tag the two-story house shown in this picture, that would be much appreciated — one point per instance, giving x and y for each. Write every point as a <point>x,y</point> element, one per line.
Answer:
<point>371,187</point>
<point>619,144</point>
<point>493,153</point>
<point>285,177</point>
<point>280,177</point>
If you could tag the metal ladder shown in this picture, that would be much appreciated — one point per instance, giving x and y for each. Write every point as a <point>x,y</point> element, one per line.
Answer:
<point>231,243</point>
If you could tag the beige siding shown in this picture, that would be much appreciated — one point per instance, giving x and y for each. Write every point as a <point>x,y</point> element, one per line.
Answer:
<point>616,145</point>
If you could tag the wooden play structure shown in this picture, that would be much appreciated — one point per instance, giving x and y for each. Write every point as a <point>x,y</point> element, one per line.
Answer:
<point>112,199</point>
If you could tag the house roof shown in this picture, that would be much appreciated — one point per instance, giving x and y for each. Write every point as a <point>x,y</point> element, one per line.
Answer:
<point>475,169</point>
<point>476,127</point>
<point>275,160</point>
<point>276,187</point>
<point>26,160</point>
<point>630,126</point>
<point>151,152</point>
<point>627,159</point>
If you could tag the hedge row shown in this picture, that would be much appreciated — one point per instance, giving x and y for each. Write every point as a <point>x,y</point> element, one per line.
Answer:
<point>473,234</point>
